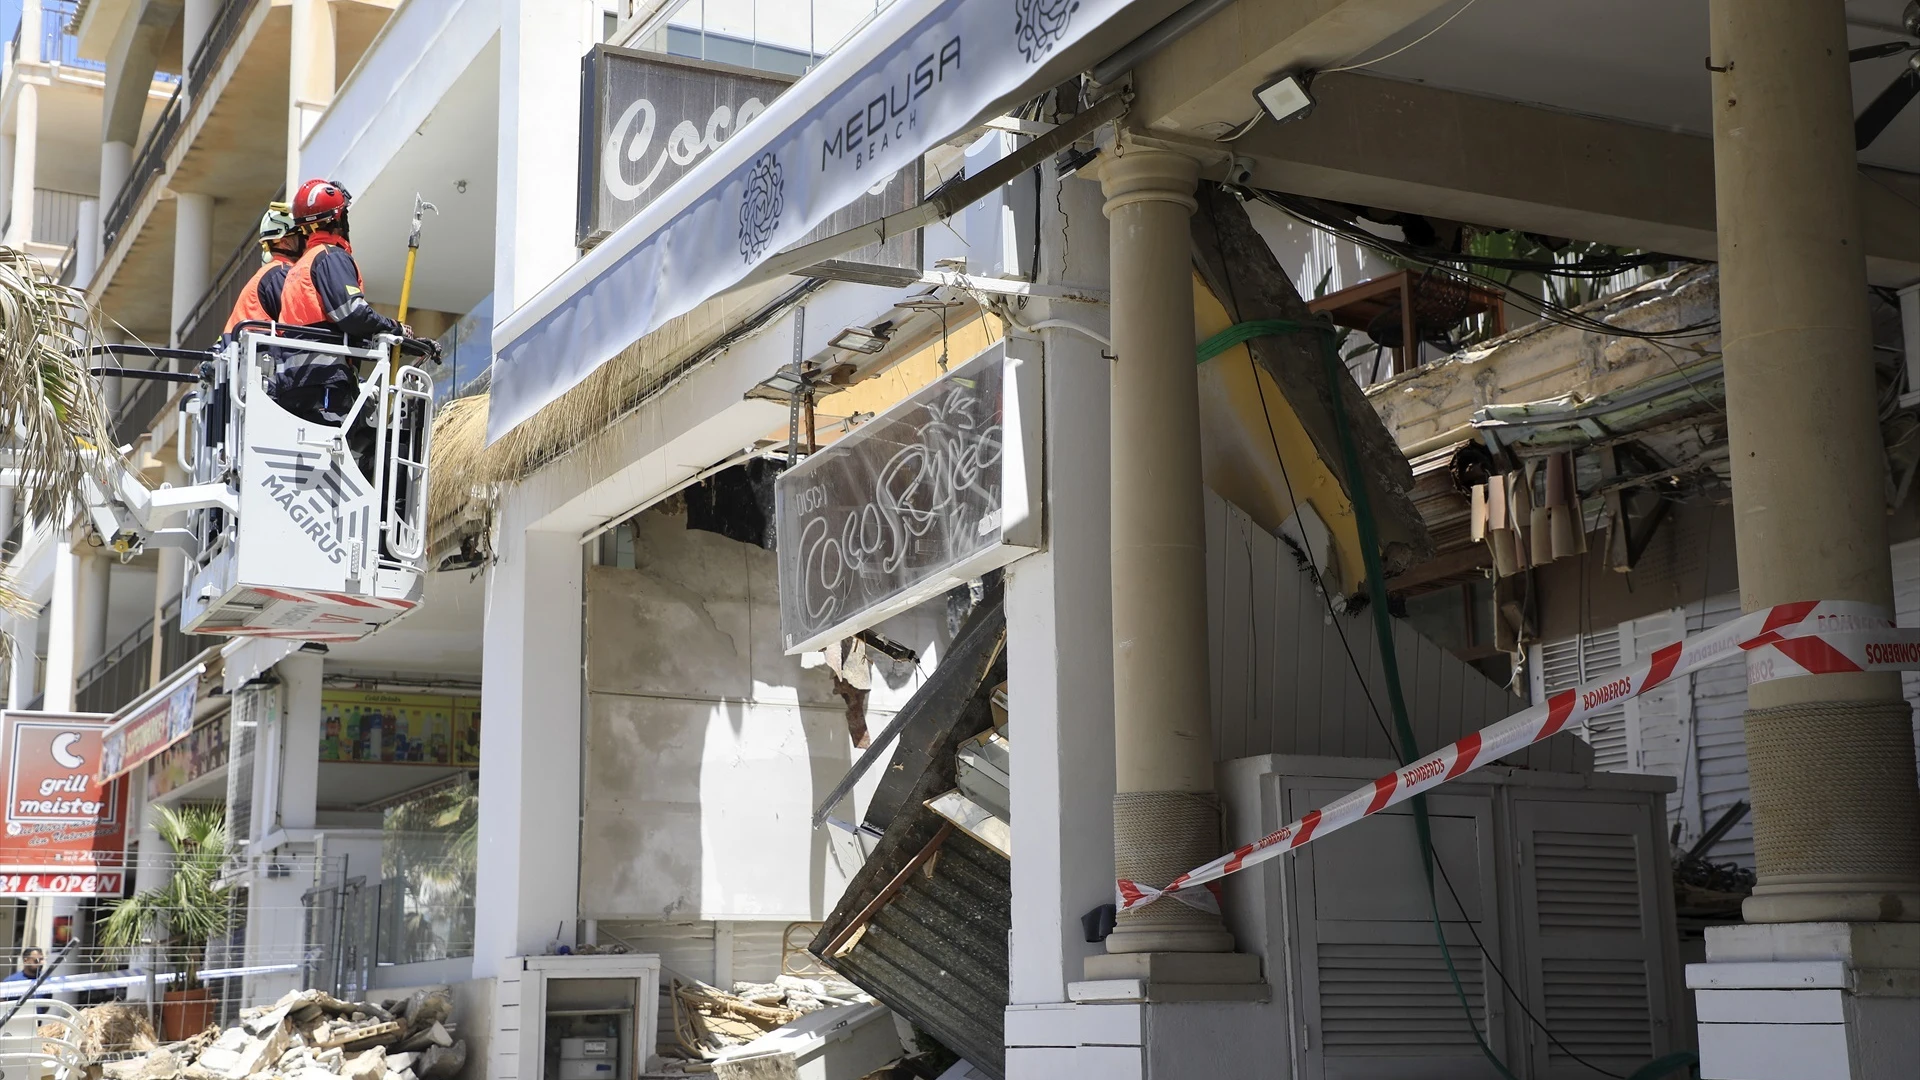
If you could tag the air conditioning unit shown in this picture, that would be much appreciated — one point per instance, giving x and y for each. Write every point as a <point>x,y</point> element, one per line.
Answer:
<point>1564,878</point>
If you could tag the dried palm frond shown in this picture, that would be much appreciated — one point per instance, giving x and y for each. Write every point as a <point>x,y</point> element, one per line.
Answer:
<point>54,418</point>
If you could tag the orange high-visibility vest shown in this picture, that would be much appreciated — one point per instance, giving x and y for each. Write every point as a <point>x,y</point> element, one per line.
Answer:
<point>300,304</point>
<point>250,307</point>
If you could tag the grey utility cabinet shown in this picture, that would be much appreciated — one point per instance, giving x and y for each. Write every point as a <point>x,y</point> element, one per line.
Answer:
<point>1564,876</point>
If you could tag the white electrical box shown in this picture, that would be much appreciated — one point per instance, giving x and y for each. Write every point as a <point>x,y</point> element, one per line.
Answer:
<point>1000,228</point>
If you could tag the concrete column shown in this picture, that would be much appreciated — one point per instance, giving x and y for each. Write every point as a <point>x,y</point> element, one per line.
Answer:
<point>533,215</point>
<point>62,612</point>
<point>169,575</point>
<point>86,260</point>
<point>192,255</point>
<point>1060,630</point>
<point>311,80</point>
<point>298,767</point>
<point>1166,819</point>
<point>7,503</point>
<point>116,164</point>
<point>196,16</point>
<point>6,172</point>
<point>31,24</point>
<point>23,675</point>
<point>95,574</point>
<point>26,140</point>
<point>1831,757</point>
<point>529,866</point>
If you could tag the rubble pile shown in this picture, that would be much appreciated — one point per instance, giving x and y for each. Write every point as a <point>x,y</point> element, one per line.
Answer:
<point>708,1020</point>
<point>309,1035</point>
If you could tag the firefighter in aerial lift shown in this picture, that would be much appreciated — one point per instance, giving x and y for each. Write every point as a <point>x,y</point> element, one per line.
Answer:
<point>324,291</point>
<point>281,245</point>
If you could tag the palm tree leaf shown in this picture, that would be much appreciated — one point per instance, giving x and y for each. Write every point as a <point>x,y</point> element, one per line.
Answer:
<point>51,413</point>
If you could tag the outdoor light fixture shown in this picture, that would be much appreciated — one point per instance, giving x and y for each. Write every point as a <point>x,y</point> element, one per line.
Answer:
<point>1287,97</point>
<point>863,339</point>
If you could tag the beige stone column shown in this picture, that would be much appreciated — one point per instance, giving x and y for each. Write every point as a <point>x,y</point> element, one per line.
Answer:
<point>1836,810</point>
<point>1166,819</point>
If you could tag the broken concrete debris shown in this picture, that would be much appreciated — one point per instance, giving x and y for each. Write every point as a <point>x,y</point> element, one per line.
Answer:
<point>306,1035</point>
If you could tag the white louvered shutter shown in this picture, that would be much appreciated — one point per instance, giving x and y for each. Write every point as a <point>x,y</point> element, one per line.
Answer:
<point>1594,936</point>
<point>1584,658</point>
<point>1660,723</point>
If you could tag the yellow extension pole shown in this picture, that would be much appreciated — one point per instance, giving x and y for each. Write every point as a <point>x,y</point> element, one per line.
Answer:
<point>420,207</point>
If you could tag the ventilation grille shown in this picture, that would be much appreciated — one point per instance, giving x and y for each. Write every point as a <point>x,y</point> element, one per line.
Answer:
<point>1393,999</point>
<point>1586,881</point>
<point>1598,1008</point>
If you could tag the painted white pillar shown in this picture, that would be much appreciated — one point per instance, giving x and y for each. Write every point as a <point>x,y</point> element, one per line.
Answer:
<point>6,172</point>
<point>534,208</point>
<point>311,78</point>
<point>62,638</point>
<point>86,260</point>
<point>116,164</point>
<point>23,675</point>
<point>26,140</point>
<point>1060,630</point>
<point>95,573</point>
<point>7,503</point>
<point>170,573</point>
<point>192,255</point>
<point>31,23</point>
<point>196,16</point>
<point>528,876</point>
<point>299,745</point>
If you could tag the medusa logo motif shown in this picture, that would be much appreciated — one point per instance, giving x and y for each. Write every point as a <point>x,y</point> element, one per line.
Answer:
<point>760,205</point>
<point>1038,25</point>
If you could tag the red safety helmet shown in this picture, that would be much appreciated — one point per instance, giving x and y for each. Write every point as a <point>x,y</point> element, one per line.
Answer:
<point>320,201</point>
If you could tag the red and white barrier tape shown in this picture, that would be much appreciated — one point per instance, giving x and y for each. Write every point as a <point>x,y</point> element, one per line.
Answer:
<point>1811,638</point>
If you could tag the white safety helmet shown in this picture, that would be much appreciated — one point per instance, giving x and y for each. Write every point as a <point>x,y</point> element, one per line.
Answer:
<point>276,223</point>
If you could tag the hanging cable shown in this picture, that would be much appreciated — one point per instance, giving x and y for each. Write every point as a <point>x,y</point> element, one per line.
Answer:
<point>1408,45</point>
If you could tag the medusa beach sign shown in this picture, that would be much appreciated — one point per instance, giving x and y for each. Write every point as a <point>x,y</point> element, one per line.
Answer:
<point>66,830</point>
<point>936,491</point>
<point>920,73</point>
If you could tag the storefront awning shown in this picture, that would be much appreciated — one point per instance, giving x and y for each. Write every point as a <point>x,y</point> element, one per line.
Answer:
<point>155,720</point>
<point>922,72</point>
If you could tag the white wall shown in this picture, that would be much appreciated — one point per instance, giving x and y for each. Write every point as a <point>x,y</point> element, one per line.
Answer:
<point>707,748</point>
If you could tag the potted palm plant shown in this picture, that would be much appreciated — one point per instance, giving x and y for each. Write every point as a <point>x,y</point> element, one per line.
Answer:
<point>181,916</point>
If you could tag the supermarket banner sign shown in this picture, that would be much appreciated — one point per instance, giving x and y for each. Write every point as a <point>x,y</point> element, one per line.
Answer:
<point>379,728</point>
<point>66,829</point>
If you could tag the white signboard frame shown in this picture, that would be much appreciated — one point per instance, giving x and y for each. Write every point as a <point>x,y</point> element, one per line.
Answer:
<point>941,488</point>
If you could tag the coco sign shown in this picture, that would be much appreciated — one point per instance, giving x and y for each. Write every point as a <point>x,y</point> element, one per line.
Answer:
<point>649,118</point>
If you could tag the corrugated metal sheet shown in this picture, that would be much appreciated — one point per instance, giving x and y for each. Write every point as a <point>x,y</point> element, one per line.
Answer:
<point>1282,679</point>
<point>935,949</point>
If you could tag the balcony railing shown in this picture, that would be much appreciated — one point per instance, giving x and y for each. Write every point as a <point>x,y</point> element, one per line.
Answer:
<point>151,162</point>
<point>56,45</point>
<point>126,671</point>
<point>56,216</point>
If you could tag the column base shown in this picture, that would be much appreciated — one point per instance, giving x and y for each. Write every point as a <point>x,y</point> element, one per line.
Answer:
<point>1834,902</point>
<point>1170,977</point>
<point>1797,1001</point>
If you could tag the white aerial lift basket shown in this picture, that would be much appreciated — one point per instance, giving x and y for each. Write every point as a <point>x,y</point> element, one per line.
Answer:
<point>323,534</point>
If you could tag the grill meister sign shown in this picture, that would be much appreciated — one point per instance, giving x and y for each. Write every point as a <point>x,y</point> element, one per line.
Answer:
<point>66,830</point>
<point>650,118</point>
